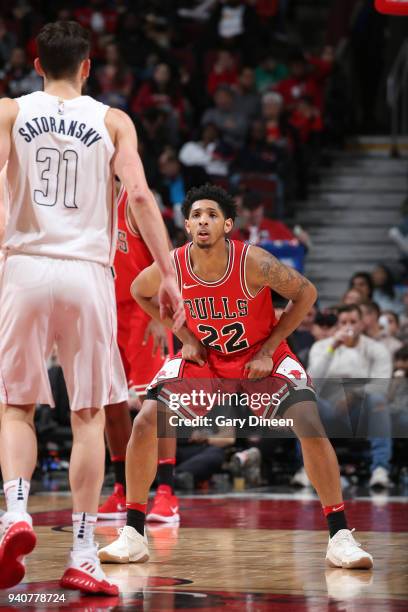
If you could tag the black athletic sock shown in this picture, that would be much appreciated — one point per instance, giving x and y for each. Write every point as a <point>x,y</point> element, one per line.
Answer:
<point>120,474</point>
<point>165,475</point>
<point>336,521</point>
<point>136,519</point>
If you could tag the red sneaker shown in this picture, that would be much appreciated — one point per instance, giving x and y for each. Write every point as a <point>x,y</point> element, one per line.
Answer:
<point>18,541</point>
<point>84,573</point>
<point>115,505</point>
<point>165,507</point>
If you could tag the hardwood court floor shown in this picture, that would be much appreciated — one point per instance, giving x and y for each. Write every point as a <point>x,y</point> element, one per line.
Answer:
<point>246,553</point>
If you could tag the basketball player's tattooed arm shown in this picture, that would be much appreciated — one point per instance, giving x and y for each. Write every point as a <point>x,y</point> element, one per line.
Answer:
<point>128,166</point>
<point>144,290</point>
<point>264,270</point>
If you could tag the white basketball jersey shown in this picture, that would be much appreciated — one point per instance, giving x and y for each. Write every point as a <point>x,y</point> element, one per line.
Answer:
<point>59,180</point>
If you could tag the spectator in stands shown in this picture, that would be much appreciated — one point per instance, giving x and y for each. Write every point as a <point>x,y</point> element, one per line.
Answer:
<point>247,99</point>
<point>257,155</point>
<point>390,321</point>
<point>352,296</point>
<point>231,123</point>
<point>224,71</point>
<point>233,23</point>
<point>348,354</point>
<point>300,83</point>
<point>384,293</point>
<point>323,325</point>
<point>376,327</point>
<point>176,181</point>
<point>269,72</point>
<point>19,77</point>
<point>115,80</point>
<point>307,119</point>
<point>7,43</point>
<point>363,283</point>
<point>209,152</point>
<point>162,91</point>
<point>272,111</point>
<point>398,394</point>
<point>255,227</point>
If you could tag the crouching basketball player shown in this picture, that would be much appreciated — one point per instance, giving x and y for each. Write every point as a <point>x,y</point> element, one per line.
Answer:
<point>232,333</point>
<point>56,286</point>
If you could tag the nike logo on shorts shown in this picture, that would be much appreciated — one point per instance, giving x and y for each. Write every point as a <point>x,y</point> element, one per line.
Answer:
<point>189,286</point>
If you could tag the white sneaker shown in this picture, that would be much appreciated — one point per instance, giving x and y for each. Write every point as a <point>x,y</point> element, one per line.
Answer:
<point>380,478</point>
<point>17,539</point>
<point>130,547</point>
<point>300,479</point>
<point>84,573</point>
<point>343,551</point>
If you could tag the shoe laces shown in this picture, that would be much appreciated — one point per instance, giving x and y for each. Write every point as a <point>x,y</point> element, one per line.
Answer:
<point>347,538</point>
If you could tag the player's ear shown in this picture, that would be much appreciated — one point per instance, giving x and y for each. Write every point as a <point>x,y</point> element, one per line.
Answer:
<point>228,224</point>
<point>187,226</point>
<point>85,68</point>
<point>38,67</point>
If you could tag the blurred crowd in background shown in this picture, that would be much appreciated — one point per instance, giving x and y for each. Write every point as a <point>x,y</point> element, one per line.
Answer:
<point>227,92</point>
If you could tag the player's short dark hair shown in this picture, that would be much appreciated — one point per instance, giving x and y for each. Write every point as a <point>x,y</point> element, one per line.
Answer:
<point>349,308</point>
<point>62,46</point>
<point>210,192</point>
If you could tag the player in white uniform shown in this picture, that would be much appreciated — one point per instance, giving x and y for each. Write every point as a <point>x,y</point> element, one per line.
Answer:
<point>56,286</point>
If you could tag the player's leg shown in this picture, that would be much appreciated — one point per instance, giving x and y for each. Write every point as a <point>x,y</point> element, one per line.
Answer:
<point>145,362</point>
<point>94,377</point>
<point>118,424</point>
<point>131,546</point>
<point>17,433</point>
<point>118,428</point>
<point>26,332</point>
<point>86,473</point>
<point>165,507</point>
<point>322,468</point>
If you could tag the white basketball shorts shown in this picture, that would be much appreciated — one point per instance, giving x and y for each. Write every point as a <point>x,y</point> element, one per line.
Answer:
<point>71,303</point>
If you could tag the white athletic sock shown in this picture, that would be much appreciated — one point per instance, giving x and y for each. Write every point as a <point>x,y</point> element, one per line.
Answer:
<point>83,530</point>
<point>16,492</point>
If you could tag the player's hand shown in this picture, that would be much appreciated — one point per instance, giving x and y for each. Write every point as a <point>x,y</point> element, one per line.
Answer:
<point>259,367</point>
<point>160,340</point>
<point>194,351</point>
<point>170,302</point>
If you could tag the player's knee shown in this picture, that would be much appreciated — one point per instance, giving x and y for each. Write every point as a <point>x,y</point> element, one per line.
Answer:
<point>145,424</point>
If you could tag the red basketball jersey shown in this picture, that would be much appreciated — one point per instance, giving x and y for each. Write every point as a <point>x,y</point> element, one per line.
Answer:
<point>223,314</point>
<point>132,254</point>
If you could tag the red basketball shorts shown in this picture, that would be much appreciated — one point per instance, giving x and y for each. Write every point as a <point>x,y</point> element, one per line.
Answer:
<point>185,387</point>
